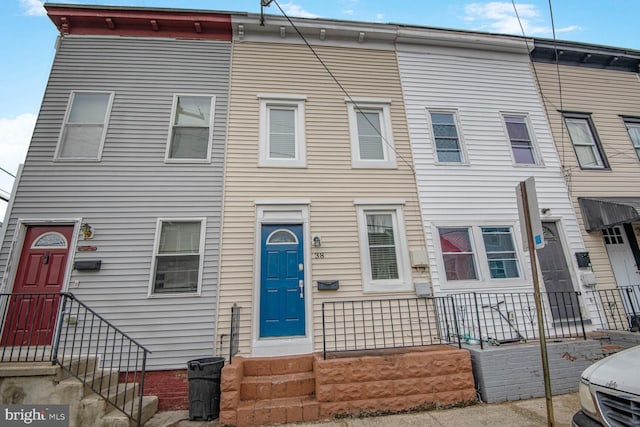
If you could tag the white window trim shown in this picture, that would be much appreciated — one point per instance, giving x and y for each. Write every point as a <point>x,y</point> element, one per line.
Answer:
<point>388,147</point>
<point>156,242</point>
<point>403,283</point>
<point>537,157</point>
<point>174,104</point>
<point>463,151</point>
<point>480,257</point>
<point>297,103</point>
<point>63,129</point>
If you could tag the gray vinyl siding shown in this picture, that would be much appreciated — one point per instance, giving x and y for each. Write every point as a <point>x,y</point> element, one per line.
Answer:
<point>480,88</point>
<point>123,195</point>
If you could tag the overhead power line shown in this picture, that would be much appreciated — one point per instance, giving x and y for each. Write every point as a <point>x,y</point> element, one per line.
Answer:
<point>7,172</point>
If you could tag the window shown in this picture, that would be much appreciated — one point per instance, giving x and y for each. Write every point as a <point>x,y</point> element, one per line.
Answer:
<point>50,240</point>
<point>457,254</point>
<point>383,248</point>
<point>282,134</point>
<point>633,127</point>
<point>501,252</point>
<point>612,236</point>
<point>521,144</point>
<point>191,128</point>
<point>585,143</point>
<point>445,136</point>
<point>178,256</point>
<point>85,123</point>
<point>371,136</point>
<point>464,260</point>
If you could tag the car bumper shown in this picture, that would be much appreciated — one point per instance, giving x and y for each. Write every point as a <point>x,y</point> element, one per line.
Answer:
<point>580,419</point>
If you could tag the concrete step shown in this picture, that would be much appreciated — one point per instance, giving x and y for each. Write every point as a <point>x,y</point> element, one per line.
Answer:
<point>262,366</point>
<point>277,386</point>
<point>116,418</point>
<point>277,411</point>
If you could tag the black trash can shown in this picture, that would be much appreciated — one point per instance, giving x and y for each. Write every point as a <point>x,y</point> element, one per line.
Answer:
<point>204,387</point>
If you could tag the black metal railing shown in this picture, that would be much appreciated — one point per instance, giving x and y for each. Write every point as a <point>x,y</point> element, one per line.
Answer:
<point>234,336</point>
<point>497,318</point>
<point>61,329</point>
<point>388,323</point>
<point>618,309</point>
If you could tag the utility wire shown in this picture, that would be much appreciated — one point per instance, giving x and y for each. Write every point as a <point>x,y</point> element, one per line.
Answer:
<point>7,172</point>
<point>555,49</point>
<point>342,88</point>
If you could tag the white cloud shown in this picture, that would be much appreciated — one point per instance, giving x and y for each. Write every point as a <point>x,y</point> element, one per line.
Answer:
<point>295,10</point>
<point>15,135</point>
<point>347,12</point>
<point>379,17</point>
<point>500,17</point>
<point>33,7</point>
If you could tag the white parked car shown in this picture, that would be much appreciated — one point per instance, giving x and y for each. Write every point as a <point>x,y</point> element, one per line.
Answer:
<point>610,392</point>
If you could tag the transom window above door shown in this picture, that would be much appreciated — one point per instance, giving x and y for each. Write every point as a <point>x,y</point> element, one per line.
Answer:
<point>191,128</point>
<point>446,138</point>
<point>282,131</point>
<point>282,237</point>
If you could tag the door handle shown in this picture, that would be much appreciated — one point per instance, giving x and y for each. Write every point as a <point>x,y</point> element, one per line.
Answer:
<point>46,257</point>
<point>301,286</point>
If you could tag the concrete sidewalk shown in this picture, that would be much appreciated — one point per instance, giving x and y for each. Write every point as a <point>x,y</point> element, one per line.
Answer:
<point>523,413</point>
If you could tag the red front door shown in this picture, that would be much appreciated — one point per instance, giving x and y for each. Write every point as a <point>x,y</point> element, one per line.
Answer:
<point>31,314</point>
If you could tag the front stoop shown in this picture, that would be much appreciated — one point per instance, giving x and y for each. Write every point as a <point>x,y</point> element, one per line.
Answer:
<point>44,383</point>
<point>260,391</point>
<point>274,390</point>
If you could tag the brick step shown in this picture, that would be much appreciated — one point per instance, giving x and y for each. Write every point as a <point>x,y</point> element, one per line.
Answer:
<point>277,411</point>
<point>611,349</point>
<point>598,335</point>
<point>277,386</point>
<point>264,366</point>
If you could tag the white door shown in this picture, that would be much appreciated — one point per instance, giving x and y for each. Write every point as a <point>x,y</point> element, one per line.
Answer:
<point>620,256</point>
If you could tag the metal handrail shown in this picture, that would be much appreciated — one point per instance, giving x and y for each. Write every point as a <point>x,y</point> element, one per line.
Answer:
<point>619,308</point>
<point>373,324</point>
<point>59,328</point>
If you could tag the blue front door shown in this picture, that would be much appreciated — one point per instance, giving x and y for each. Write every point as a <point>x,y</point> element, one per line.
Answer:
<point>282,281</point>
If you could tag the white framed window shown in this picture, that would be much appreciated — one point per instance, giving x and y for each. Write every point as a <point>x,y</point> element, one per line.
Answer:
<point>522,144</point>
<point>585,142</point>
<point>479,252</point>
<point>191,129</point>
<point>282,131</point>
<point>370,130</point>
<point>178,256</point>
<point>85,125</point>
<point>383,248</point>
<point>633,129</point>
<point>446,138</point>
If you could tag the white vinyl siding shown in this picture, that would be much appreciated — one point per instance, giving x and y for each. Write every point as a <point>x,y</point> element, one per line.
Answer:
<point>586,146</point>
<point>282,131</point>
<point>371,136</point>
<point>633,128</point>
<point>522,145</point>
<point>84,127</point>
<point>383,248</point>
<point>178,257</point>
<point>191,128</point>
<point>446,138</point>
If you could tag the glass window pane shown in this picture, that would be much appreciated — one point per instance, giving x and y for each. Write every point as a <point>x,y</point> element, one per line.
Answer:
<point>177,273</point>
<point>579,131</point>
<point>282,236</point>
<point>457,253</point>
<point>179,237</point>
<point>189,143</point>
<point>89,108</point>
<point>634,134</point>
<point>193,111</point>
<point>586,155</point>
<point>523,155</point>
<point>442,118</point>
<point>459,267</point>
<point>382,251</point>
<point>81,141</point>
<point>449,156</point>
<point>50,240</point>
<point>455,240</point>
<point>282,133</point>
<point>501,254</point>
<point>446,137</point>
<point>445,131</point>
<point>369,136</point>
<point>517,127</point>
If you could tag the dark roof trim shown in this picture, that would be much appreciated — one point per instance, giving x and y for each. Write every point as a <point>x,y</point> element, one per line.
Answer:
<point>586,55</point>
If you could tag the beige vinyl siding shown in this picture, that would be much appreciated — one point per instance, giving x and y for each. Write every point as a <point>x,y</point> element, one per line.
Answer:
<point>328,180</point>
<point>123,195</point>
<point>607,95</point>
<point>482,191</point>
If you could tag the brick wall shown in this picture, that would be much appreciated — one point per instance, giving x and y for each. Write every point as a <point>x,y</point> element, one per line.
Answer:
<point>171,387</point>
<point>514,372</point>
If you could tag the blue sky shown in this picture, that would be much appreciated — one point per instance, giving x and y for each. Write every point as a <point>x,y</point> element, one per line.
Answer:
<point>28,39</point>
